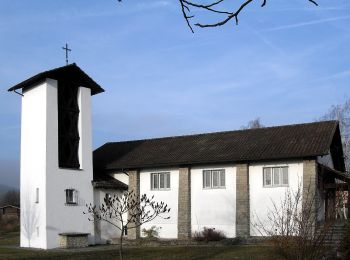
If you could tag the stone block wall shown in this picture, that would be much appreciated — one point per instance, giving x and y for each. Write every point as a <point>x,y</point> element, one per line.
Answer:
<point>310,180</point>
<point>242,201</point>
<point>134,185</point>
<point>184,210</point>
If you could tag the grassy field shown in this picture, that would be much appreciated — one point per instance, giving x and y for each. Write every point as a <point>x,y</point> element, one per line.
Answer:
<point>9,250</point>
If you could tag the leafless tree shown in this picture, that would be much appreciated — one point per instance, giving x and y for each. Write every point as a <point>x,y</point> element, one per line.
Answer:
<point>341,113</point>
<point>291,225</point>
<point>139,210</point>
<point>252,124</point>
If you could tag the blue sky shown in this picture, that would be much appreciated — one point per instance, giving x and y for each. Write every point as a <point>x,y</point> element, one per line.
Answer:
<point>285,63</point>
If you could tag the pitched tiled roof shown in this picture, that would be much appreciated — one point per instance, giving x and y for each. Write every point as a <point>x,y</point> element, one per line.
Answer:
<point>71,72</point>
<point>269,143</point>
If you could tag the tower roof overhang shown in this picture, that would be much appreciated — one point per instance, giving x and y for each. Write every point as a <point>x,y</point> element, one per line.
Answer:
<point>69,72</point>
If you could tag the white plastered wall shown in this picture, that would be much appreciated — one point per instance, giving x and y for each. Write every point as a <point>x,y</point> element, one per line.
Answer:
<point>214,208</point>
<point>104,231</point>
<point>39,168</point>
<point>168,227</point>
<point>33,167</point>
<point>61,217</point>
<point>261,197</point>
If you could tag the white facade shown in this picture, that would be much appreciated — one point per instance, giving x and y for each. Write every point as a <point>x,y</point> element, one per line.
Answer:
<point>42,222</point>
<point>262,198</point>
<point>214,208</point>
<point>33,167</point>
<point>168,227</point>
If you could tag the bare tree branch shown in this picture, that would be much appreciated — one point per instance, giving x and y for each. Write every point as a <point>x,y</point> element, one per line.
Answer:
<point>212,7</point>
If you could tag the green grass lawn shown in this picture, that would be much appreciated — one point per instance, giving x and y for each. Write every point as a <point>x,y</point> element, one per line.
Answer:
<point>9,250</point>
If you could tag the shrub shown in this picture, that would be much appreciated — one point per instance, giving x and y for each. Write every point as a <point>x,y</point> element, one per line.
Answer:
<point>209,234</point>
<point>152,232</point>
<point>9,224</point>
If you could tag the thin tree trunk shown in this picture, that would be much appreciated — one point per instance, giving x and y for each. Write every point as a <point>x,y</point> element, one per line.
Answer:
<point>121,245</point>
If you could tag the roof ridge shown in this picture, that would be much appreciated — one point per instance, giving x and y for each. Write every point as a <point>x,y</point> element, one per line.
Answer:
<point>220,132</point>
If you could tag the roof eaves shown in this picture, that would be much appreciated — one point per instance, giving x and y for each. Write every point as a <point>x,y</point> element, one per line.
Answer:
<point>110,167</point>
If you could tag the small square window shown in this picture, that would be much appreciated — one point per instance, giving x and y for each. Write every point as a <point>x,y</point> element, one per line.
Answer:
<point>71,197</point>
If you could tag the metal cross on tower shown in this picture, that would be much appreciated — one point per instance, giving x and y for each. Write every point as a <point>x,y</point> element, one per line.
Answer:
<point>67,50</point>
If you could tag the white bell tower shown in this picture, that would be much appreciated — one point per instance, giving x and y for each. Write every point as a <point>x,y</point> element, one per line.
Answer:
<point>56,155</point>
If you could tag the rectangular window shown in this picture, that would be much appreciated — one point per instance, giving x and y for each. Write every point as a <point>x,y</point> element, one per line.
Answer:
<point>160,181</point>
<point>71,196</point>
<point>275,176</point>
<point>37,195</point>
<point>107,199</point>
<point>213,179</point>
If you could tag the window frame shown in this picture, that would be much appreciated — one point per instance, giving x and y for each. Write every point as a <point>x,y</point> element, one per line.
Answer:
<point>157,176</point>
<point>74,197</point>
<point>219,179</point>
<point>280,176</point>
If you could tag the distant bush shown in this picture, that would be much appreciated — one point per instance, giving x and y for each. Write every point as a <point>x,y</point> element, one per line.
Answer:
<point>9,224</point>
<point>209,234</point>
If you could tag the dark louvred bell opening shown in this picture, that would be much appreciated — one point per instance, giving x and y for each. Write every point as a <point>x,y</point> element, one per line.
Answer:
<point>68,132</point>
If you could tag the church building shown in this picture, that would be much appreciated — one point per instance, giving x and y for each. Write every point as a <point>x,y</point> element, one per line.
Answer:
<point>219,180</point>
